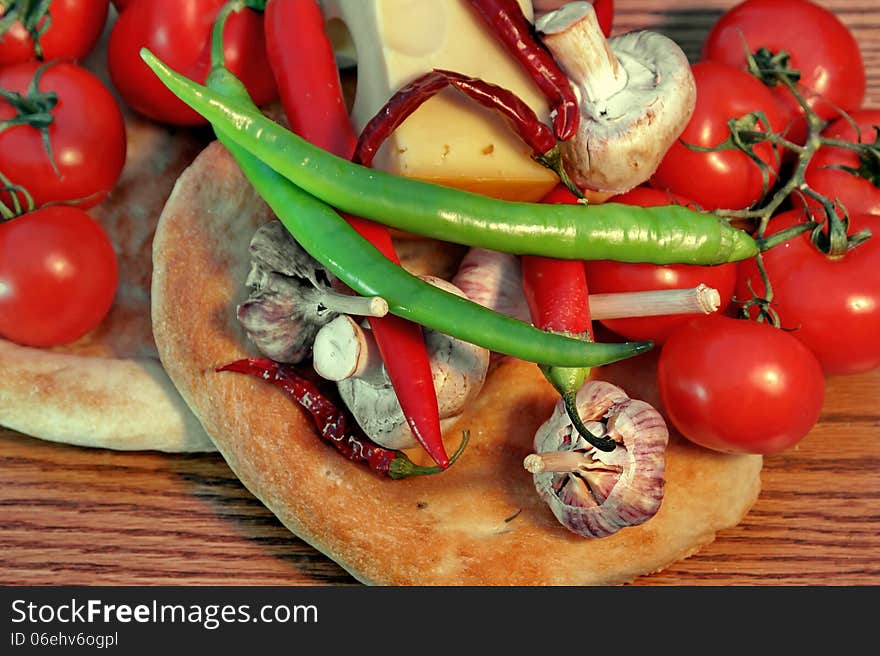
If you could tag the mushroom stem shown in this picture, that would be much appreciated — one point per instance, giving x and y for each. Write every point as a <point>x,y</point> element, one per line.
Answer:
<point>342,350</point>
<point>573,35</point>
<point>701,299</point>
<point>364,306</point>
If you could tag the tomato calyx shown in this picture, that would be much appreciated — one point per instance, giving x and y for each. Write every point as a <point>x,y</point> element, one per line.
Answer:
<point>33,15</point>
<point>833,240</point>
<point>34,110</point>
<point>868,152</point>
<point>19,206</point>
<point>745,133</point>
<point>763,304</point>
<point>772,68</point>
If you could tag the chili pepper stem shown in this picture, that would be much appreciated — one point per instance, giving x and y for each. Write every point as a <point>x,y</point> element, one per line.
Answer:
<point>403,467</point>
<point>569,398</point>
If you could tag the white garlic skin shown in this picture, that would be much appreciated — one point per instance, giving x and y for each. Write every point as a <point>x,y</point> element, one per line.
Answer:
<point>638,493</point>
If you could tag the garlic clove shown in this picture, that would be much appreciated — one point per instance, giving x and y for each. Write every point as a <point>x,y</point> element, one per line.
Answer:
<point>575,493</point>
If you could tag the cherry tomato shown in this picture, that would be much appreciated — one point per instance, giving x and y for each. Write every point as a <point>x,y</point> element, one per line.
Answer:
<point>610,277</point>
<point>729,178</point>
<point>58,276</point>
<point>739,386</point>
<point>74,29</point>
<point>859,194</point>
<point>87,136</point>
<point>822,49</point>
<point>832,305</point>
<point>179,33</point>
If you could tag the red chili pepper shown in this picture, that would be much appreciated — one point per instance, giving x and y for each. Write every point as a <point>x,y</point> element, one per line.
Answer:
<point>558,299</point>
<point>410,97</point>
<point>304,66</point>
<point>332,423</point>
<point>513,29</point>
<point>519,116</point>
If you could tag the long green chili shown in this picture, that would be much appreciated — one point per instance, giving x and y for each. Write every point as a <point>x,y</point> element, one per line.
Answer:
<point>660,235</point>
<point>333,242</point>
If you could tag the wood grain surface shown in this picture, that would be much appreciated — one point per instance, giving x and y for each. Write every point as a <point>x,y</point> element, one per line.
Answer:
<point>70,515</point>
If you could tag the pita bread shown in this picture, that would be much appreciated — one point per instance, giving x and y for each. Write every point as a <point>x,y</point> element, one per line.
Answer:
<point>108,389</point>
<point>479,523</point>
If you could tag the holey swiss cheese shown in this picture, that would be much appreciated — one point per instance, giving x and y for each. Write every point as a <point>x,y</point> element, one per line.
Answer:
<point>449,140</point>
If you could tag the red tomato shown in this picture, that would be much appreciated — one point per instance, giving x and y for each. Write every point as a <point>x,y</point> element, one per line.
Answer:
<point>832,305</point>
<point>58,276</point>
<point>87,134</point>
<point>179,33</point>
<point>74,28</point>
<point>726,179</point>
<point>859,194</point>
<point>739,386</point>
<point>822,49</point>
<point>610,277</point>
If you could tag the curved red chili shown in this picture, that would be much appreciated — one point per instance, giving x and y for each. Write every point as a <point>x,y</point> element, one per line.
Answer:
<point>512,28</point>
<point>311,93</point>
<point>331,422</point>
<point>410,97</point>
<point>558,298</point>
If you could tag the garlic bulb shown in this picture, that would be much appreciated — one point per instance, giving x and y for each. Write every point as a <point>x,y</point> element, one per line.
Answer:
<point>595,493</point>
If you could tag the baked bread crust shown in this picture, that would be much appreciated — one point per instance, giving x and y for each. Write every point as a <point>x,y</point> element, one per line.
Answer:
<point>479,523</point>
<point>108,389</point>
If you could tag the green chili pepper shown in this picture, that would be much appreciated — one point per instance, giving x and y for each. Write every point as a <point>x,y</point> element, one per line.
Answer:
<point>659,235</point>
<point>333,242</point>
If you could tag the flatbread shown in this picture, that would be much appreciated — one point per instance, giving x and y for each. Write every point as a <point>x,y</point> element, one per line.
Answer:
<point>479,523</point>
<point>108,389</point>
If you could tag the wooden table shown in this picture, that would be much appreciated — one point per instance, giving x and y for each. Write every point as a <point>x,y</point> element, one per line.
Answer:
<point>79,516</point>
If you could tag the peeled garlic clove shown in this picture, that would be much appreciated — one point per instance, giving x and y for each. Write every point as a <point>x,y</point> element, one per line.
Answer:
<point>595,493</point>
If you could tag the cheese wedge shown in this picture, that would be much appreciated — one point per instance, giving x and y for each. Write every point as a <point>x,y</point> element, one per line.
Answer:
<point>449,140</point>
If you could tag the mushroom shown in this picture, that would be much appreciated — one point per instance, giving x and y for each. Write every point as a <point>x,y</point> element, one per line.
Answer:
<point>346,353</point>
<point>636,94</point>
<point>292,296</point>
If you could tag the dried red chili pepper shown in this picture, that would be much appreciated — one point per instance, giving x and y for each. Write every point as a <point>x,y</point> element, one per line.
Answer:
<point>513,29</point>
<point>410,97</point>
<point>311,93</point>
<point>332,423</point>
<point>558,299</point>
<point>519,116</point>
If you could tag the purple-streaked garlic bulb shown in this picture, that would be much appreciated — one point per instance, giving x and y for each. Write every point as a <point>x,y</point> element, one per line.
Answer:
<point>595,493</point>
<point>291,297</point>
<point>493,280</point>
